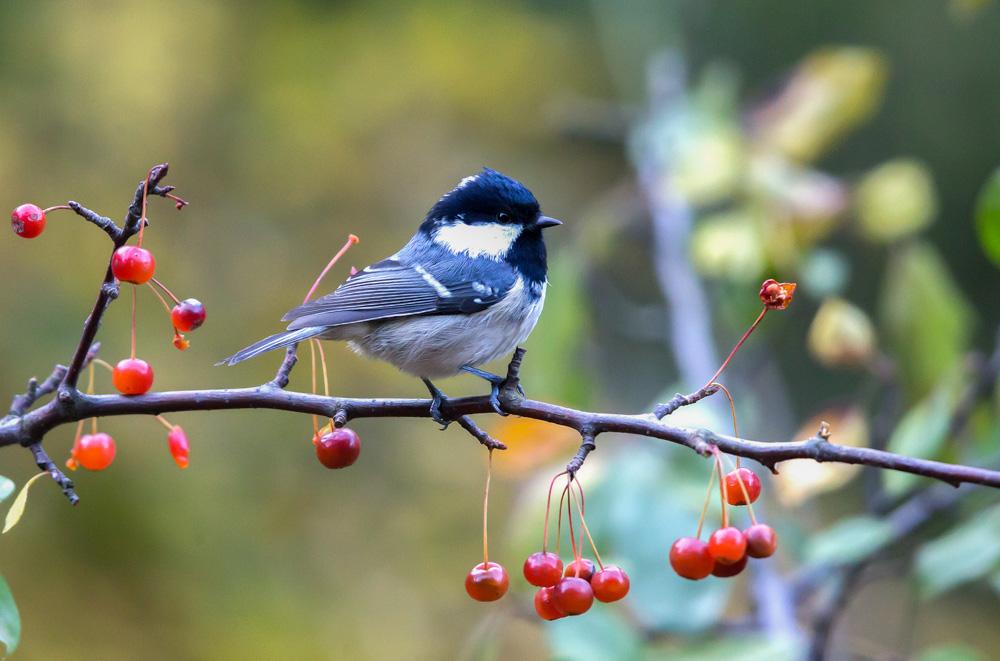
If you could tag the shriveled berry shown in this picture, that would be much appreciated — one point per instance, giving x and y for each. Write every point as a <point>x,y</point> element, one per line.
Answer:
<point>133,264</point>
<point>725,571</point>
<point>574,595</point>
<point>691,559</point>
<point>339,448</point>
<point>734,493</point>
<point>177,441</point>
<point>487,582</point>
<point>188,315</point>
<point>132,376</point>
<point>545,604</point>
<point>610,584</point>
<point>27,220</point>
<point>94,451</point>
<point>727,545</point>
<point>543,569</point>
<point>581,568</point>
<point>762,541</point>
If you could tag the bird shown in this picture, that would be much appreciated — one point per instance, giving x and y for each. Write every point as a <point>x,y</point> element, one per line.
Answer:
<point>467,288</point>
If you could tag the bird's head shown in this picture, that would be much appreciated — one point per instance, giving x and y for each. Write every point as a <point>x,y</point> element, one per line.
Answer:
<point>484,215</point>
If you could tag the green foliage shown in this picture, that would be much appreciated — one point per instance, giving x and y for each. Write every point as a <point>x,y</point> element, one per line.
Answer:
<point>923,430</point>
<point>604,633</point>
<point>969,552</point>
<point>927,319</point>
<point>847,540</point>
<point>988,217</point>
<point>10,619</point>
<point>6,488</point>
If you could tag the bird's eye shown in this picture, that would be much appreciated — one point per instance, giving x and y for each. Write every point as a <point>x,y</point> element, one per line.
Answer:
<point>503,217</point>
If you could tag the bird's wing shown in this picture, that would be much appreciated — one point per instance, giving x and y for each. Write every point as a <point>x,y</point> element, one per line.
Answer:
<point>392,288</point>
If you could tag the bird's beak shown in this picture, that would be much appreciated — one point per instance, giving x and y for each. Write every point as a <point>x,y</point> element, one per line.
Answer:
<point>544,221</point>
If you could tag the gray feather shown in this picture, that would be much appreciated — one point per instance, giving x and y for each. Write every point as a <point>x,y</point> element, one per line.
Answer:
<point>276,341</point>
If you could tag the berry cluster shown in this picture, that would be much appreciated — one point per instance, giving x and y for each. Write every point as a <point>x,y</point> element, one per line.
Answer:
<point>728,549</point>
<point>561,591</point>
<point>130,376</point>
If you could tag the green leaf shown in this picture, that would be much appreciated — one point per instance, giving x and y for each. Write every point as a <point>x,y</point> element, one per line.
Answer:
<point>6,488</point>
<point>927,319</point>
<point>744,648</point>
<point>966,553</point>
<point>602,634</point>
<point>10,619</point>
<point>988,217</point>
<point>922,432</point>
<point>848,540</point>
<point>950,652</point>
<point>16,510</point>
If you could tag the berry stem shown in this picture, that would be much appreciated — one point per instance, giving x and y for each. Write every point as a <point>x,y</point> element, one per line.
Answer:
<point>326,378</point>
<point>736,348</point>
<point>166,306</point>
<point>57,208</point>
<point>486,509</point>
<point>133,321</point>
<point>562,496</point>
<point>90,391</point>
<point>351,240</point>
<point>704,507</point>
<point>577,555</point>
<point>548,509</point>
<point>103,363</point>
<point>179,202</point>
<point>722,489</point>
<point>732,410</point>
<point>583,522</point>
<point>312,364</point>
<point>163,421</point>
<point>165,289</point>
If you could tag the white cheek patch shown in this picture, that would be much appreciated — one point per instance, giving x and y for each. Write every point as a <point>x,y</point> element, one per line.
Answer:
<point>490,240</point>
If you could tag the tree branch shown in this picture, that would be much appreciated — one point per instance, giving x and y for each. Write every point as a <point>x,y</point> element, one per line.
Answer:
<point>33,425</point>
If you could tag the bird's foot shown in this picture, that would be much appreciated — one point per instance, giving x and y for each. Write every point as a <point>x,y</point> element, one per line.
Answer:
<point>437,399</point>
<point>497,385</point>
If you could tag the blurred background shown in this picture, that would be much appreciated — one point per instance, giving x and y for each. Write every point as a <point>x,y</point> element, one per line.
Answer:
<point>693,149</point>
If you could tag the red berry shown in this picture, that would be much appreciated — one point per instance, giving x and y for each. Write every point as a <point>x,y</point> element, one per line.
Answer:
<point>727,545</point>
<point>94,451</point>
<point>188,315</point>
<point>487,582</point>
<point>543,569</point>
<point>581,568</point>
<point>177,440</point>
<point>339,448</point>
<point>761,540</point>
<point>132,376</point>
<point>28,220</point>
<point>545,604</point>
<point>734,494</point>
<point>690,558</point>
<point>610,584</point>
<point>725,571</point>
<point>573,595</point>
<point>133,264</point>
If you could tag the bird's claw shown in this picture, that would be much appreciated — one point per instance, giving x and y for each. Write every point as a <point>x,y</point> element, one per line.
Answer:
<point>495,400</point>
<point>436,415</point>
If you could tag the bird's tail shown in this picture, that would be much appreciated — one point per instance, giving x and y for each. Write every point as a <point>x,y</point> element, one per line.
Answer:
<point>276,341</point>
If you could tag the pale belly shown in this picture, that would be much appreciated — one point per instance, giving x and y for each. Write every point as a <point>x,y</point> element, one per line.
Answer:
<point>437,346</point>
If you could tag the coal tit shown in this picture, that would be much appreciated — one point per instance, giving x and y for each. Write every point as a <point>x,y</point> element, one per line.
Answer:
<point>466,290</point>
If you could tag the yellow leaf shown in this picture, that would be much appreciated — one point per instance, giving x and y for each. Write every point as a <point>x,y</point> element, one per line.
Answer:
<point>17,507</point>
<point>530,444</point>
<point>801,479</point>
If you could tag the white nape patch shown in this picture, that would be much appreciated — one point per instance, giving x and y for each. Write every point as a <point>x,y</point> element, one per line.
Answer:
<point>490,240</point>
<point>441,290</point>
<point>467,180</point>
